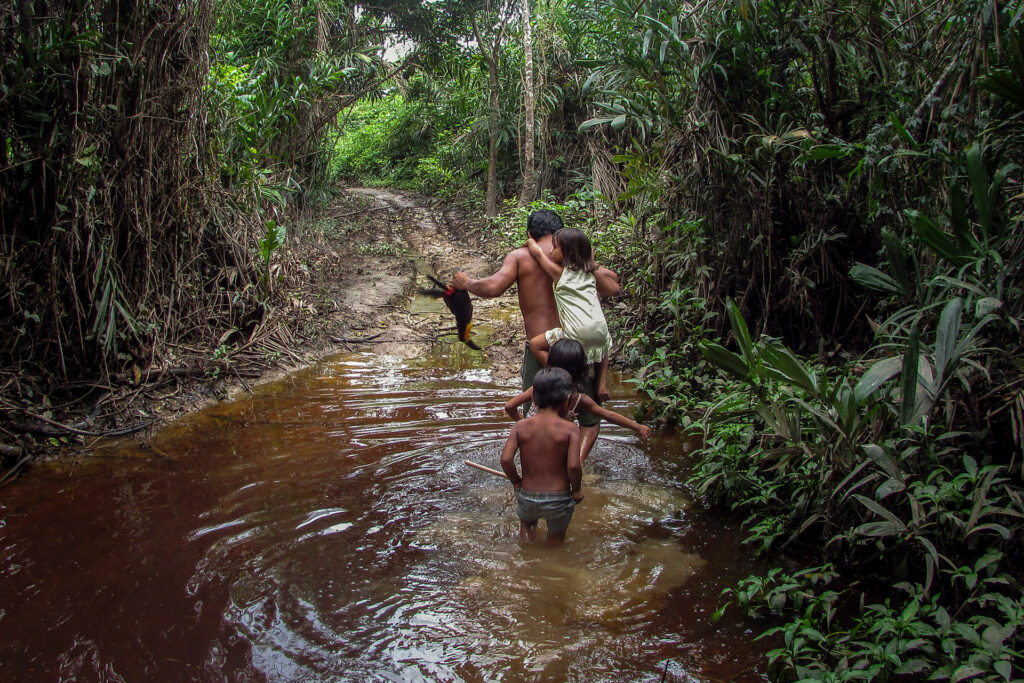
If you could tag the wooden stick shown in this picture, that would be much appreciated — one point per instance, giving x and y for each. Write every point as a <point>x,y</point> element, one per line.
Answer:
<point>485,469</point>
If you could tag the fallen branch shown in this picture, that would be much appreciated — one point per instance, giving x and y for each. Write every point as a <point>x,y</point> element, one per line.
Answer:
<point>356,340</point>
<point>485,468</point>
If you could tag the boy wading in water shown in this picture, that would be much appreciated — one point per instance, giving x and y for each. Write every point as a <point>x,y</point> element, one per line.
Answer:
<point>549,452</point>
<point>568,354</point>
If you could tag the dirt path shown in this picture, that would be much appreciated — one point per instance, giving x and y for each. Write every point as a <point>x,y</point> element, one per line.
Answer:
<point>343,281</point>
<point>437,241</point>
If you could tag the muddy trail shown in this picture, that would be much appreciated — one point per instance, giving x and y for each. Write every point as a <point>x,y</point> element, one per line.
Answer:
<point>321,526</point>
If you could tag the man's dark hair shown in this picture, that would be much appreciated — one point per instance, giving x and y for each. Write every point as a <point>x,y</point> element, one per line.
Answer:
<point>543,222</point>
<point>551,386</point>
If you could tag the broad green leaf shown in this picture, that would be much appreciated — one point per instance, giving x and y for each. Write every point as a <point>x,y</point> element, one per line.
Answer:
<point>946,339</point>
<point>881,511</point>
<point>741,332</point>
<point>879,456</point>
<point>878,529</point>
<point>902,132</point>
<point>959,219</point>
<point>986,306</point>
<point>872,278</point>
<point>978,177</point>
<point>908,379</point>
<point>877,375</point>
<point>965,672</point>
<point>889,487</point>
<point>597,121</point>
<point>998,528</point>
<point>725,359</point>
<point>897,257</point>
<point>819,152</point>
<point>780,363</point>
<point>936,239</point>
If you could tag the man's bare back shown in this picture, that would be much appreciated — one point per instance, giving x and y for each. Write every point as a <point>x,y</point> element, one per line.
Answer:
<point>536,293</point>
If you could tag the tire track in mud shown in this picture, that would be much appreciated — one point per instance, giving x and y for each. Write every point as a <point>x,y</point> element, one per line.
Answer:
<point>437,243</point>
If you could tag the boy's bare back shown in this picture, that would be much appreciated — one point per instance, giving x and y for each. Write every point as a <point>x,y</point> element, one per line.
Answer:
<point>549,452</point>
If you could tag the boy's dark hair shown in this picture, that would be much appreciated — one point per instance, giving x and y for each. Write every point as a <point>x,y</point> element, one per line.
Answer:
<point>569,355</point>
<point>551,386</point>
<point>577,254</point>
<point>543,222</point>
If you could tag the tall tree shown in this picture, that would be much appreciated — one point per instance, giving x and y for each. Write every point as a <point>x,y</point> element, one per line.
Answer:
<point>529,111</point>
<point>490,50</point>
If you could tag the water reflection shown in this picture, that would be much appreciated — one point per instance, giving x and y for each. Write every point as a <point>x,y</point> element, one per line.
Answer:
<point>326,528</point>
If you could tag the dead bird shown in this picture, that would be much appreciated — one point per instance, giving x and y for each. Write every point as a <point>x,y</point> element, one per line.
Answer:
<point>459,303</point>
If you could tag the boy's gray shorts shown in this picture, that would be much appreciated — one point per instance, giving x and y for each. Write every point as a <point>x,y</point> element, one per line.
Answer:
<point>555,507</point>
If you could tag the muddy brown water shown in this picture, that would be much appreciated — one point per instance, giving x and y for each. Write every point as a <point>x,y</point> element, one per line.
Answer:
<point>325,528</point>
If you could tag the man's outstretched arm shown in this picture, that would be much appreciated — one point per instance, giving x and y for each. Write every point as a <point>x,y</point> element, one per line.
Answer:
<point>495,285</point>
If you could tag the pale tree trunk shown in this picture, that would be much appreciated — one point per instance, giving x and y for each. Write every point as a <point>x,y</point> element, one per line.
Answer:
<point>490,54</point>
<point>530,108</point>
<point>492,142</point>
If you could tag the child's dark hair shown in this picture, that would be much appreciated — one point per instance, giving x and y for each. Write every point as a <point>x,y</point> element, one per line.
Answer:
<point>569,355</point>
<point>551,386</point>
<point>543,222</point>
<point>577,253</point>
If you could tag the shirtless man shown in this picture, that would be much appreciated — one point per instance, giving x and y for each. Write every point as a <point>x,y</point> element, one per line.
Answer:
<point>549,451</point>
<point>537,301</point>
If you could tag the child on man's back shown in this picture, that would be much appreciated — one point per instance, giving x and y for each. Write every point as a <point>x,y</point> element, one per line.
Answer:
<point>549,453</point>
<point>571,268</point>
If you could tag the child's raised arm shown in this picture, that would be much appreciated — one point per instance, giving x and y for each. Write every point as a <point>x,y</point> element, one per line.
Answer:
<point>553,269</point>
<point>512,406</point>
<point>588,404</point>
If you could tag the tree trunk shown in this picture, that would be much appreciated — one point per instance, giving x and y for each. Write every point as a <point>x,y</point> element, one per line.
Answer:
<point>530,106</point>
<point>492,141</point>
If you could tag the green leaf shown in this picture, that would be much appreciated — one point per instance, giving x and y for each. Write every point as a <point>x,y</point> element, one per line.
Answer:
<point>978,177</point>
<point>881,511</point>
<point>959,219</point>
<point>780,363</point>
<point>998,528</point>
<point>897,257</point>
<point>741,332</point>
<point>880,457</point>
<point>597,121</point>
<point>819,152</point>
<point>965,672</point>
<point>725,359</point>
<point>877,375</point>
<point>902,132</point>
<point>908,380</point>
<point>889,487</point>
<point>872,278</point>
<point>878,529</point>
<point>936,239</point>
<point>946,337</point>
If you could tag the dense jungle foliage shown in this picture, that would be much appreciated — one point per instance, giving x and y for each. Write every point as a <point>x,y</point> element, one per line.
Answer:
<point>815,207</point>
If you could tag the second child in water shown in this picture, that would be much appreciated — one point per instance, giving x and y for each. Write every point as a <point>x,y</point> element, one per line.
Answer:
<point>568,354</point>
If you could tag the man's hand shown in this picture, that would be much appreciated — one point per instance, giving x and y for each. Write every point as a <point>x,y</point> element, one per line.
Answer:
<point>461,281</point>
<point>577,496</point>
<point>644,432</point>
